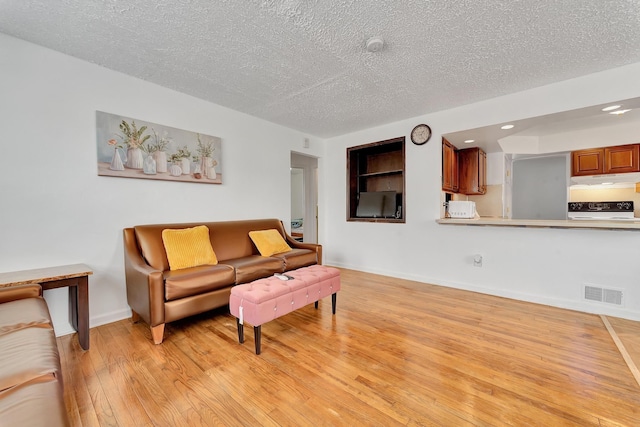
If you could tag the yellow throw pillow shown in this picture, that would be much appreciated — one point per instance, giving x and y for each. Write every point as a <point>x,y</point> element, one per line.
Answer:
<point>269,242</point>
<point>188,247</point>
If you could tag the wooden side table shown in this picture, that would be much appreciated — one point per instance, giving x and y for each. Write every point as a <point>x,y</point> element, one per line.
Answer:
<point>75,277</point>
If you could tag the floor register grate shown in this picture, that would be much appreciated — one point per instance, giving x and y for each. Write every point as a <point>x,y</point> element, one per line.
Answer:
<point>599,294</point>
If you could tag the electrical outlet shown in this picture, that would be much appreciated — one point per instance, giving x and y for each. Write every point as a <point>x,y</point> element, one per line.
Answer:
<point>477,260</point>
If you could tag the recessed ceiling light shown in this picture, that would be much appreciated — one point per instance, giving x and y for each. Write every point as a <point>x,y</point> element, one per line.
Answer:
<point>619,111</point>
<point>611,107</point>
<point>607,183</point>
<point>469,141</point>
<point>505,127</point>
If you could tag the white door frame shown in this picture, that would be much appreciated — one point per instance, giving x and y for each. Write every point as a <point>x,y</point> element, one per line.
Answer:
<point>309,165</point>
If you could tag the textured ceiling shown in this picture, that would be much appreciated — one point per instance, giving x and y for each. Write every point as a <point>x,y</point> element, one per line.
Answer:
<point>564,123</point>
<point>303,63</point>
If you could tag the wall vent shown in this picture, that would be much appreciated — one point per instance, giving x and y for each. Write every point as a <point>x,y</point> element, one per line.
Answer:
<point>606,295</point>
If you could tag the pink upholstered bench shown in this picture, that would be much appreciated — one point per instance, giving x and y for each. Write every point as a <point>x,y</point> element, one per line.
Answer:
<point>266,299</point>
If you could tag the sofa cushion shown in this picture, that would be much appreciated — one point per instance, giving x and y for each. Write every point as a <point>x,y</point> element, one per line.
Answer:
<point>24,313</point>
<point>230,239</point>
<point>197,280</point>
<point>297,258</point>
<point>34,404</point>
<point>12,293</point>
<point>269,242</point>
<point>149,240</point>
<point>255,267</point>
<point>188,247</point>
<point>29,354</point>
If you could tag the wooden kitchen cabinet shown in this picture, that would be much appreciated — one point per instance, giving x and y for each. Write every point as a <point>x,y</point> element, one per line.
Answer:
<point>607,160</point>
<point>622,159</point>
<point>449,167</point>
<point>472,167</point>
<point>587,162</point>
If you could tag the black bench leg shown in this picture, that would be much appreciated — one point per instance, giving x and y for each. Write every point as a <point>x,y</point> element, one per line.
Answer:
<point>333,302</point>
<point>316,304</point>
<point>257,333</point>
<point>240,331</point>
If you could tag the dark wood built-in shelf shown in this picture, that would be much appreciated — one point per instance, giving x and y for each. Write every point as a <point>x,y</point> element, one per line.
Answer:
<point>366,175</point>
<point>377,168</point>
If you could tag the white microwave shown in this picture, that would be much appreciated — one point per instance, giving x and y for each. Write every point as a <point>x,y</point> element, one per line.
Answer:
<point>462,209</point>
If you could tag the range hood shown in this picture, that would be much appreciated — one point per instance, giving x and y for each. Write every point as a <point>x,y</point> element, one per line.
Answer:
<point>614,178</point>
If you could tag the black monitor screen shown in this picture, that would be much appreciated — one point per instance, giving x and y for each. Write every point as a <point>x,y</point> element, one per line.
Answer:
<point>376,204</point>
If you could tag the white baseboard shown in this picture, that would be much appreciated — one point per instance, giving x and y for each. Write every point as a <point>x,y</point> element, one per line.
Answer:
<point>114,316</point>
<point>577,305</point>
<point>103,319</point>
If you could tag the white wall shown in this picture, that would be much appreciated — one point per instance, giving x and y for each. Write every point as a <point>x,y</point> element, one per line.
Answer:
<point>297,193</point>
<point>495,168</point>
<point>548,266</point>
<point>55,209</point>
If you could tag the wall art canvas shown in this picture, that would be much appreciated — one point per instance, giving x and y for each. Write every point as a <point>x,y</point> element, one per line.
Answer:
<point>133,148</point>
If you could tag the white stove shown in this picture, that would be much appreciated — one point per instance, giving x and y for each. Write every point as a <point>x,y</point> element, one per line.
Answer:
<point>603,211</point>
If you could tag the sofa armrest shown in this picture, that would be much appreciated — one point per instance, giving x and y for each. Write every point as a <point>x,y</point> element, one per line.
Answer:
<point>145,284</point>
<point>13,293</point>
<point>311,246</point>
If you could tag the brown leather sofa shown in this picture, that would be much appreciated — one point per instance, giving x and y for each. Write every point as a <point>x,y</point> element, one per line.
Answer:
<point>30,376</point>
<point>158,295</point>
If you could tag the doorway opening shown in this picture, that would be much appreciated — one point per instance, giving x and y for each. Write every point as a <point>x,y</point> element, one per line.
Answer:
<point>304,198</point>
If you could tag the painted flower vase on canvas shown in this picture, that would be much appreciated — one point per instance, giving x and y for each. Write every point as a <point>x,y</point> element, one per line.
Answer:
<point>175,170</point>
<point>181,158</point>
<point>116,162</point>
<point>206,150</point>
<point>134,158</point>
<point>204,165</point>
<point>197,167</point>
<point>211,169</point>
<point>121,142</point>
<point>161,161</point>
<point>149,165</point>
<point>185,166</point>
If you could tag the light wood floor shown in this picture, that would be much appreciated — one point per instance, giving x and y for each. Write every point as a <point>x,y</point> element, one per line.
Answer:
<point>397,353</point>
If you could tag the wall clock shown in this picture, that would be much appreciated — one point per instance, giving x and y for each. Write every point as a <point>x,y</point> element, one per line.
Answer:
<point>420,134</point>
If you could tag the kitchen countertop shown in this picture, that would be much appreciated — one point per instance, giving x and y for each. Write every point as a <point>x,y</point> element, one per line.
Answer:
<point>542,223</point>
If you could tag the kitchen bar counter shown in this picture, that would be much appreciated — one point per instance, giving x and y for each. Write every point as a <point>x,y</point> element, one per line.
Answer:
<point>541,223</point>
